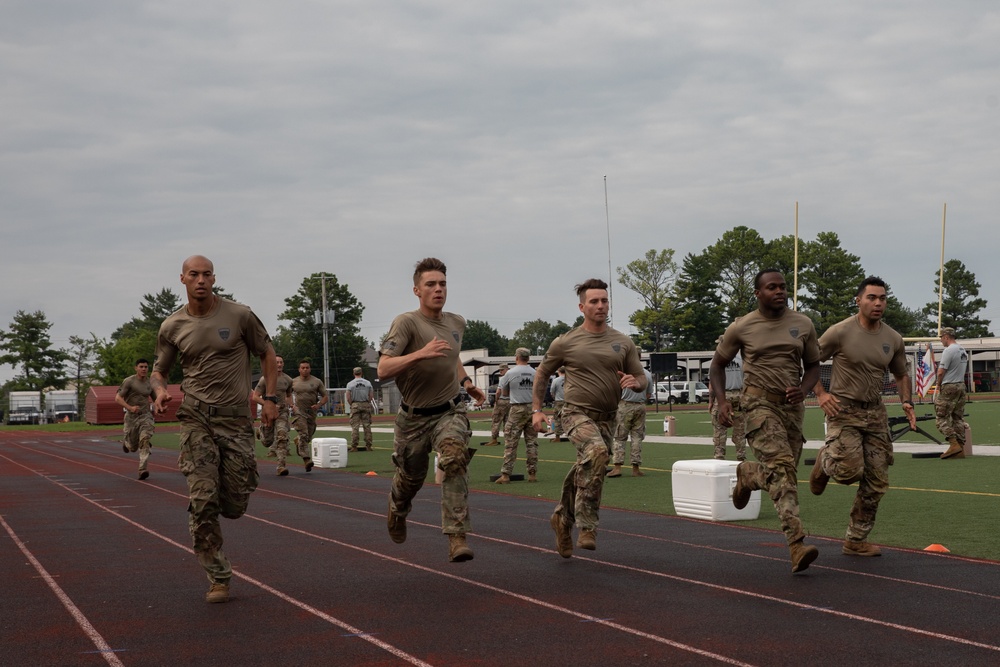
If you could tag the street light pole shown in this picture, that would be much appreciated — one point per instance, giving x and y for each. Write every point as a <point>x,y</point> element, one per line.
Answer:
<point>326,343</point>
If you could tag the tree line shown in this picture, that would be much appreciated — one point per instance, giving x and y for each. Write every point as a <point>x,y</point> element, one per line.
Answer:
<point>685,307</point>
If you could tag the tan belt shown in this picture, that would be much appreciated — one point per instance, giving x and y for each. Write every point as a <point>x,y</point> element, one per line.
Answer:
<point>761,393</point>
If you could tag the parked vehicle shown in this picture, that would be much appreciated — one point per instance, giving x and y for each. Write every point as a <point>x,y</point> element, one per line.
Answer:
<point>671,392</point>
<point>61,405</point>
<point>25,407</point>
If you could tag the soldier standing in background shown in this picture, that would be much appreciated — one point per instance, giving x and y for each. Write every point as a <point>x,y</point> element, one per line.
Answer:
<point>501,406</point>
<point>631,424</point>
<point>516,384</point>
<point>557,389</point>
<point>949,402</point>
<point>360,395</point>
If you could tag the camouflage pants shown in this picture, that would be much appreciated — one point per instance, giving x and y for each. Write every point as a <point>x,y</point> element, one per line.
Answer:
<point>518,422</point>
<point>580,502</point>
<point>275,436</point>
<point>630,422</point>
<point>217,458</point>
<point>138,434</point>
<point>415,437</point>
<point>557,425</point>
<point>304,423</point>
<point>500,410</point>
<point>720,432</point>
<point>858,449</point>
<point>361,416</point>
<point>949,407</point>
<point>775,435</point>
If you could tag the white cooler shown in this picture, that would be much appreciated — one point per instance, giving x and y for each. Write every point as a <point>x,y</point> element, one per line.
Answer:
<point>704,490</point>
<point>329,452</point>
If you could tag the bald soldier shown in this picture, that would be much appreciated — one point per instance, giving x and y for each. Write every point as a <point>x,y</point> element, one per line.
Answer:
<point>213,338</point>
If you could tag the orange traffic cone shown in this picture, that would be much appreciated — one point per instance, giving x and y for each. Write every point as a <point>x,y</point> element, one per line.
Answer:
<point>938,548</point>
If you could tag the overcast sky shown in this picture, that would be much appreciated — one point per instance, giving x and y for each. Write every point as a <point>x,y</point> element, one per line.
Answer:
<point>285,138</point>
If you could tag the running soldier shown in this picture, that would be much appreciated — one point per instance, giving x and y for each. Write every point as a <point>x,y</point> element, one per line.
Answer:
<point>212,338</point>
<point>275,436</point>
<point>949,402</point>
<point>134,395</point>
<point>309,395</point>
<point>720,433</point>
<point>557,389</point>
<point>360,395</point>
<point>631,424</point>
<point>858,447</point>
<point>501,406</point>
<point>777,345</point>
<point>516,385</point>
<point>421,353</point>
<point>599,363</point>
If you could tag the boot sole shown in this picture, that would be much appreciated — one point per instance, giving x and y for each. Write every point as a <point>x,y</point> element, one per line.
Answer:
<point>807,558</point>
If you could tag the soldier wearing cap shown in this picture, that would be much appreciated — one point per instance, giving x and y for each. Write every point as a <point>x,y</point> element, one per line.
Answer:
<point>517,385</point>
<point>360,395</point>
<point>558,390</point>
<point>949,402</point>
<point>501,406</point>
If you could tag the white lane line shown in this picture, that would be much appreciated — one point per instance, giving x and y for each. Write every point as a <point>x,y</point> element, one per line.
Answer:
<point>102,646</point>
<point>399,653</point>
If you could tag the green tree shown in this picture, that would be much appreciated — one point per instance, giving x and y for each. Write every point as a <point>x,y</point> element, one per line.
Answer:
<point>830,277</point>
<point>906,321</point>
<point>479,334</point>
<point>537,335</point>
<point>697,317</point>
<point>136,339</point>
<point>302,337</point>
<point>737,257</point>
<point>28,348</point>
<point>652,278</point>
<point>961,303</point>
<point>81,362</point>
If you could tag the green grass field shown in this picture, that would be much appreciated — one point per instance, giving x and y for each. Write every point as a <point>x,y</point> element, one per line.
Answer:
<point>953,503</point>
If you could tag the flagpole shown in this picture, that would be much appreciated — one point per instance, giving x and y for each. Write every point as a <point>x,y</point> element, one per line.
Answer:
<point>795,269</point>
<point>944,217</point>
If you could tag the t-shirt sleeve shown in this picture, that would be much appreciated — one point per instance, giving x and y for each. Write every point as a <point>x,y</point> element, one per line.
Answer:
<point>395,341</point>
<point>257,339</point>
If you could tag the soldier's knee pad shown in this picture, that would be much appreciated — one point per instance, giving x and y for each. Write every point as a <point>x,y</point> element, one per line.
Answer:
<point>453,457</point>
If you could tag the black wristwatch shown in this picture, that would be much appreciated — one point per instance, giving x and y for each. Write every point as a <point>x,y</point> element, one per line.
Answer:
<point>910,403</point>
<point>273,399</point>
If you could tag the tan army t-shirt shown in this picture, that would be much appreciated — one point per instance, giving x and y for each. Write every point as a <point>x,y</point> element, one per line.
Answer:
<point>861,357</point>
<point>307,392</point>
<point>592,362</point>
<point>136,392</point>
<point>773,350</point>
<point>430,382</point>
<point>213,351</point>
<point>283,388</point>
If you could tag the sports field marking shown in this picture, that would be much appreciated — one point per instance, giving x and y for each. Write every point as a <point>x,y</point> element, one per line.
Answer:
<point>81,619</point>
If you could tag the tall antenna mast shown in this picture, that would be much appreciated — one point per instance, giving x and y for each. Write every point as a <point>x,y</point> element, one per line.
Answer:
<point>611,281</point>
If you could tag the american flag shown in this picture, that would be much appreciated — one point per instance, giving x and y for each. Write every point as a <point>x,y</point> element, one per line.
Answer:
<point>925,371</point>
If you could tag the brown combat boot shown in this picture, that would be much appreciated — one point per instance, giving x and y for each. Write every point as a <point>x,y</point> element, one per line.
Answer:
<point>818,477</point>
<point>955,450</point>
<point>564,536</point>
<point>532,477</point>
<point>616,471</point>
<point>741,492</point>
<point>282,471</point>
<point>802,555</point>
<point>636,472</point>
<point>491,443</point>
<point>458,550</point>
<point>397,527</point>
<point>217,593</point>
<point>852,548</point>
<point>504,478</point>
<point>587,540</point>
